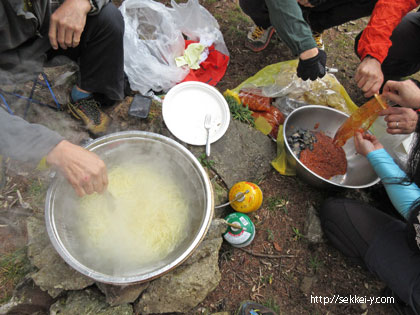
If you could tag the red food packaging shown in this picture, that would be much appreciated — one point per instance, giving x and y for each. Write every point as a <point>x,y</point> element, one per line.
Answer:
<point>254,100</point>
<point>277,114</point>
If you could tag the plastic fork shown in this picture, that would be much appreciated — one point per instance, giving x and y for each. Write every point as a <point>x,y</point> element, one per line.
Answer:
<point>207,125</point>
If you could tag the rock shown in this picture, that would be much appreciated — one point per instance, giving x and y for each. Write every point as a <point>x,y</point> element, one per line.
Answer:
<point>54,275</point>
<point>37,237</point>
<point>243,153</point>
<point>87,302</point>
<point>27,299</point>
<point>13,234</point>
<point>187,285</point>
<point>211,242</point>
<point>312,229</point>
<point>117,295</point>
<point>306,285</point>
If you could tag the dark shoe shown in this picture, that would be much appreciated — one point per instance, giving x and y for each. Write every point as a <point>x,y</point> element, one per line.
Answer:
<point>88,111</point>
<point>259,38</point>
<point>252,308</point>
<point>318,40</point>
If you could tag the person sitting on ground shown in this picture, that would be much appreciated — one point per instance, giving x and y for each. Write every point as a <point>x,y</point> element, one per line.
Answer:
<point>388,246</point>
<point>387,47</point>
<point>300,27</point>
<point>89,32</point>
<point>30,143</point>
<point>388,51</point>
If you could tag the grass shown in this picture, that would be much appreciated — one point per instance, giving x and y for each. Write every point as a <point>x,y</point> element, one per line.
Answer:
<point>270,235</point>
<point>13,268</point>
<point>267,279</point>
<point>205,161</point>
<point>37,190</point>
<point>277,203</point>
<point>271,303</point>
<point>298,235</point>
<point>240,112</point>
<point>315,263</point>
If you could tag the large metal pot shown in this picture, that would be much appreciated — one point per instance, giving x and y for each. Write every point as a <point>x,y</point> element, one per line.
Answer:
<point>360,173</point>
<point>113,149</point>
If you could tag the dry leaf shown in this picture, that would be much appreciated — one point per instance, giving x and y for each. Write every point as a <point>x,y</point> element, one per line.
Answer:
<point>277,247</point>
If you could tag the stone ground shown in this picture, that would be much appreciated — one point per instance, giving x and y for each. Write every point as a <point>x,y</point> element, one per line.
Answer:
<point>286,264</point>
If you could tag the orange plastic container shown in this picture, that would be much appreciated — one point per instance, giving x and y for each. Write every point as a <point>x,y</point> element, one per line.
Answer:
<point>360,120</point>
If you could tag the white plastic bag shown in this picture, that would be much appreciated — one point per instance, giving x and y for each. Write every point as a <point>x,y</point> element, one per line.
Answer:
<point>153,38</point>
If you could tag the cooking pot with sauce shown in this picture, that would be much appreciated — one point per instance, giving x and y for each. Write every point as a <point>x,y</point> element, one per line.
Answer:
<point>162,210</point>
<point>360,173</point>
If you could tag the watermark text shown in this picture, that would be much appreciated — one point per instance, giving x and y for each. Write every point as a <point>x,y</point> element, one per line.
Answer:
<point>351,299</point>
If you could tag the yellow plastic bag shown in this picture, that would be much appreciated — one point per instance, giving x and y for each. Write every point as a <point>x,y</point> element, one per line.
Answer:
<point>280,81</point>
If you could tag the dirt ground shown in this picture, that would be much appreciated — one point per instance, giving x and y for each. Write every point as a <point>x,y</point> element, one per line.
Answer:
<point>280,268</point>
<point>287,284</point>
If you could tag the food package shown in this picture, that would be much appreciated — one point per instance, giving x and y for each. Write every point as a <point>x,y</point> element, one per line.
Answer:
<point>254,100</point>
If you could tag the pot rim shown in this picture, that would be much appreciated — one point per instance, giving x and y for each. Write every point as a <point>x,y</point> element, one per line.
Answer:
<point>120,280</point>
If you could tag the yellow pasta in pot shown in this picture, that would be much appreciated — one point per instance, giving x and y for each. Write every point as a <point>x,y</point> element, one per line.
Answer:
<point>149,221</point>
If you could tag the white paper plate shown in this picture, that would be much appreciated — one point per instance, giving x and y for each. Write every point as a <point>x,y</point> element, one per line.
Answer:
<point>186,105</point>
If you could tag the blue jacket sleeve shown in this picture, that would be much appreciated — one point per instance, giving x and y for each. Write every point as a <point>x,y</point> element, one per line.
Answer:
<point>402,195</point>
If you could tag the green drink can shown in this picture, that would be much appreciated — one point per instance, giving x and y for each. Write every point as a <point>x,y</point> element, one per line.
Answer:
<point>240,231</point>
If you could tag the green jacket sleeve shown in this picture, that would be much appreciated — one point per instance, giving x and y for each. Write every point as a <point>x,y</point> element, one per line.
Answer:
<point>286,17</point>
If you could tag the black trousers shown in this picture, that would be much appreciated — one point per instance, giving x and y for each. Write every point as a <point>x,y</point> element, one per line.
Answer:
<point>377,241</point>
<point>100,54</point>
<point>404,55</point>
<point>320,18</point>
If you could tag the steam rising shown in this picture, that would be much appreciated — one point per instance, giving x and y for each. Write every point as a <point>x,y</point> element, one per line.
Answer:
<point>160,205</point>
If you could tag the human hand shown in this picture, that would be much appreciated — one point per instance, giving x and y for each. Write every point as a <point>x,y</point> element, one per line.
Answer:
<point>366,143</point>
<point>369,76</point>
<point>84,170</point>
<point>404,93</point>
<point>400,120</point>
<point>313,67</point>
<point>305,3</point>
<point>67,23</point>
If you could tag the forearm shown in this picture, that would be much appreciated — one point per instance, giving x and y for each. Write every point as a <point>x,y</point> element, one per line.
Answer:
<point>23,141</point>
<point>402,196</point>
<point>286,17</point>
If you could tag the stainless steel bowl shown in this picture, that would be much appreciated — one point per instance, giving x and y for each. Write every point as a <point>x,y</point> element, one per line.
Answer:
<point>359,174</point>
<point>114,149</point>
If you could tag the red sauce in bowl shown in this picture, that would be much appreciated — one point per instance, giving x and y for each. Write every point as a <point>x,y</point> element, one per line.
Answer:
<point>326,159</point>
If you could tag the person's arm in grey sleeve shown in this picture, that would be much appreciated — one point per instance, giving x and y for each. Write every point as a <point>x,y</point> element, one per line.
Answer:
<point>26,142</point>
<point>23,141</point>
<point>286,17</point>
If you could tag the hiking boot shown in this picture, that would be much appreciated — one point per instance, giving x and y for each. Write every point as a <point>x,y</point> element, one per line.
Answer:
<point>318,40</point>
<point>88,111</point>
<point>252,308</point>
<point>259,38</point>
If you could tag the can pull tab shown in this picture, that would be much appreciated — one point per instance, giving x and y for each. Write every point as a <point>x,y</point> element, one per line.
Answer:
<point>240,196</point>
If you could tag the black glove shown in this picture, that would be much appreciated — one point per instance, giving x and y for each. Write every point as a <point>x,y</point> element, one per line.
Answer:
<point>312,68</point>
